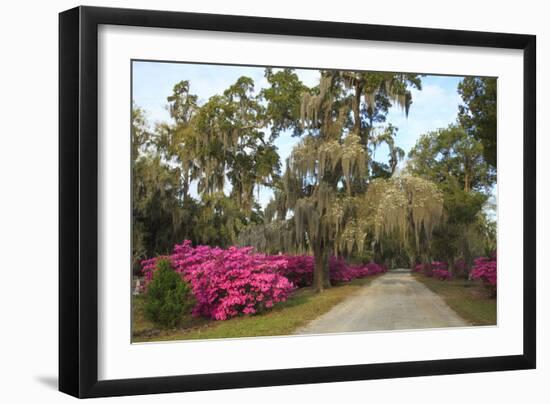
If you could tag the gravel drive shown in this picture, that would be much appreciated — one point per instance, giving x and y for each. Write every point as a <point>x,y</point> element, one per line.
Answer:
<point>394,301</point>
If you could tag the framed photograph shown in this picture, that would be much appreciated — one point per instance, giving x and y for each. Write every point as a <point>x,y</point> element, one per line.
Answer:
<point>251,201</point>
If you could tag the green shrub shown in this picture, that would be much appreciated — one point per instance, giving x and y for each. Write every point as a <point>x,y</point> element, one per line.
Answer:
<point>168,297</point>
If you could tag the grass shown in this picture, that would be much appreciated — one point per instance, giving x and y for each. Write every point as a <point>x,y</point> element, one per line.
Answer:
<point>302,307</point>
<point>469,299</point>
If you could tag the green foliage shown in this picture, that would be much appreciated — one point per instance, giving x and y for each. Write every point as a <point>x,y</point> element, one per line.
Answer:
<point>376,92</point>
<point>162,169</point>
<point>232,144</point>
<point>182,104</point>
<point>478,115</point>
<point>221,141</point>
<point>462,206</point>
<point>380,170</point>
<point>459,236</point>
<point>220,219</point>
<point>155,207</point>
<point>284,98</point>
<point>452,155</point>
<point>454,159</point>
<point>140,131</point>
<point>168,297</point>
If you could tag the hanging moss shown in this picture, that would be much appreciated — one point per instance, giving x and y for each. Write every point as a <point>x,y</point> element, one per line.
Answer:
<point>406,205</point>
<point>326,202</point>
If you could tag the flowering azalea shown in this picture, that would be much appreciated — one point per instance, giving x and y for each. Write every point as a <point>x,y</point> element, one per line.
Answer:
<point>436,269</point>
<point>485,268</point>
<point>236,280</point>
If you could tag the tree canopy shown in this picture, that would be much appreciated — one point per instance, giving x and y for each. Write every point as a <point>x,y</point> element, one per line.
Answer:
<point>478,114</point>
<point>198,175</point>
<point>454,160</point>
<point>450,154</point>
<point>323,204</point>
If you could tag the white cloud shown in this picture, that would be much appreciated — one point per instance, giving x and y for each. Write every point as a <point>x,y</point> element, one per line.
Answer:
<point>434,107</point>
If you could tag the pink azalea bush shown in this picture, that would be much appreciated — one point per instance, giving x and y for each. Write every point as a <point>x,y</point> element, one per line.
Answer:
<point>436,269</point>
<point>485,268</point>
<point>229,282</point>
<point>234,281</point>
<point>418,268</point>
<point>424,268</point>
<point>440,270</point>
<point>341,272</point>
<point>441,274</point>
<point>299,269</point>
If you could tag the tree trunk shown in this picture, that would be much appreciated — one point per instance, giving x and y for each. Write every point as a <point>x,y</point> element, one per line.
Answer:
<point>413,261</point>
<point>468,259</point>
<point>468,176</point>
<point>185,184</point>
<point>326,280</point>
<point>321,278</point>
<point>467,186</point>
<point>451,265</point>
<point>357,110</point>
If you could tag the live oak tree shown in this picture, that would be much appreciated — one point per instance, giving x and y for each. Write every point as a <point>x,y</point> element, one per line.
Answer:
<point>176,142</point>
<point>233,146</point>
<point>284,98</point>
<point>324,203</point>
<point>373,95</point>
<point>219,147</point>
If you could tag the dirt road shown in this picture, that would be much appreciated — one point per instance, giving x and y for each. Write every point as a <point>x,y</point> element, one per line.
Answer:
<point>394,301</point>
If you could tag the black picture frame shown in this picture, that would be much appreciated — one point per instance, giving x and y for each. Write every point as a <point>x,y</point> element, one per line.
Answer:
<point>78,201</point>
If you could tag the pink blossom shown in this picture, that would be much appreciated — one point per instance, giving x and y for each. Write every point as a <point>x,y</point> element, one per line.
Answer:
<point>436,269</point>
<point>233,281</point>
<point>485,268</point>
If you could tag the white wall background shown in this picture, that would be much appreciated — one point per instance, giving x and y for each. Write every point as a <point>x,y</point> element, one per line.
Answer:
<point>28,200</point>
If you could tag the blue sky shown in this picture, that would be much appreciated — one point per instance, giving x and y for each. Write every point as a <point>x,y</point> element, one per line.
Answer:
<point>435,106</point>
